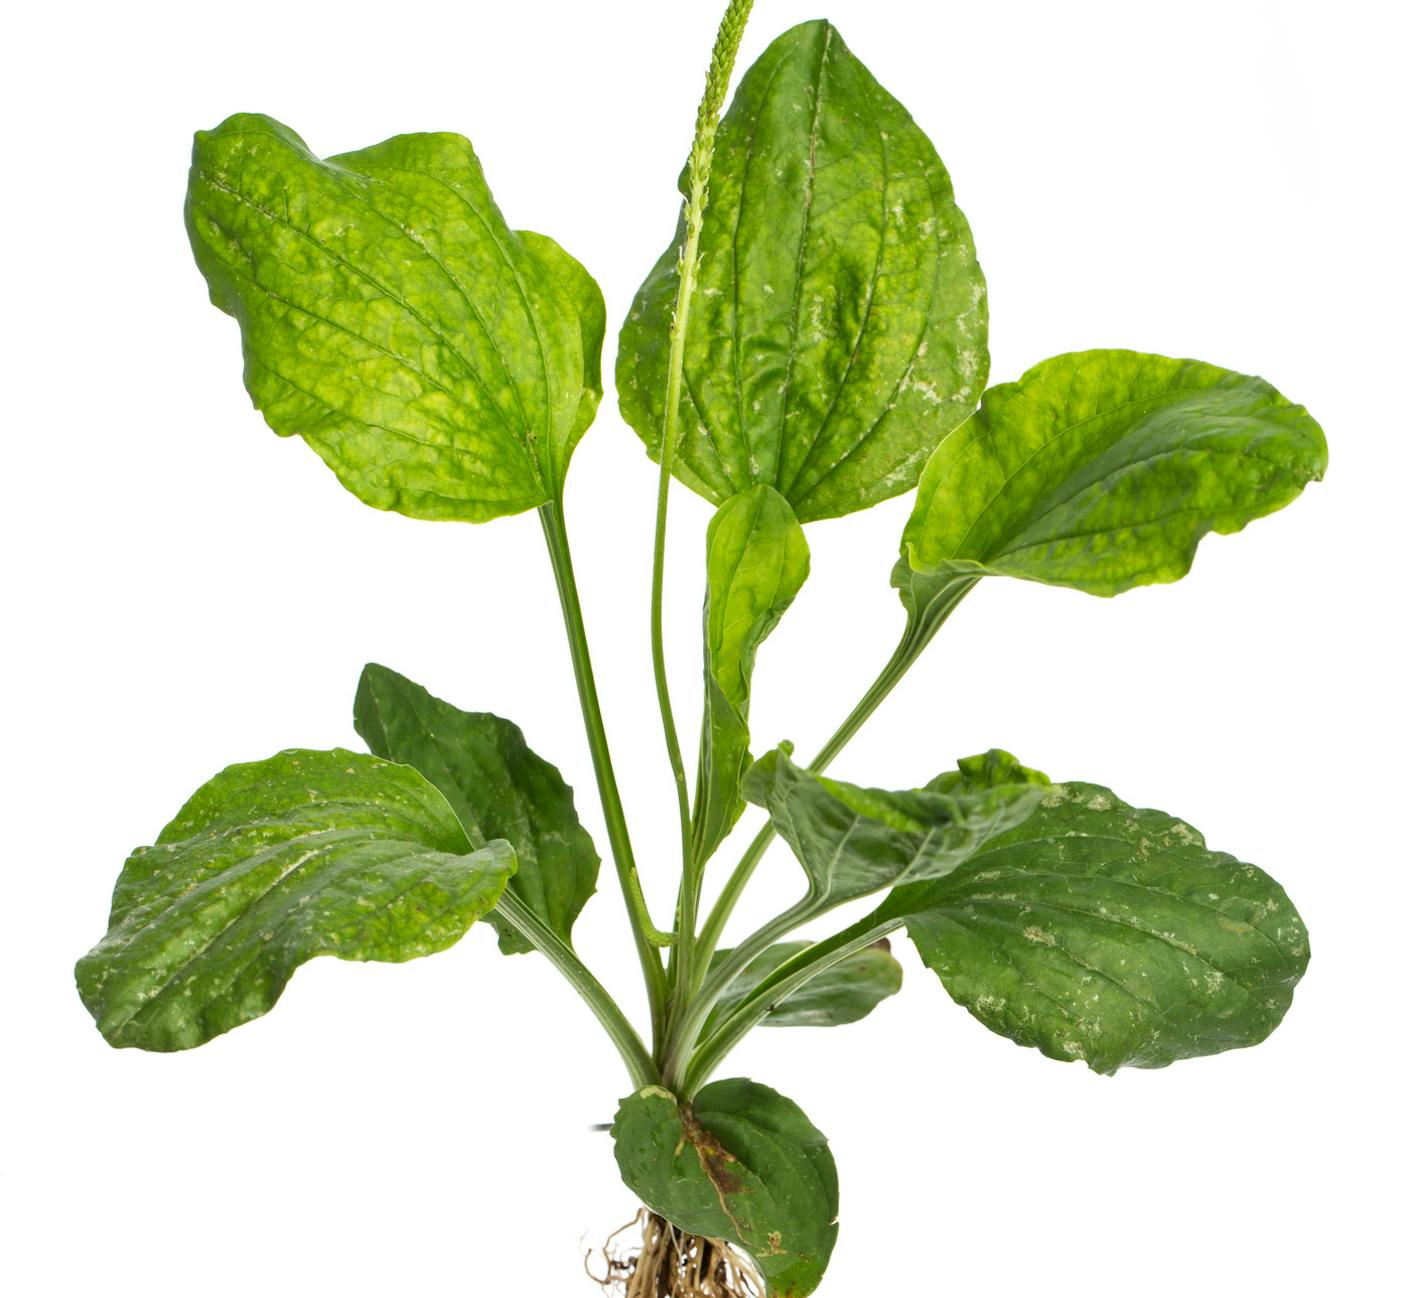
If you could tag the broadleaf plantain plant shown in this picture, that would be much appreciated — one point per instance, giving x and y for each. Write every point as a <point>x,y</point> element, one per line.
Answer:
<point>812,342</point>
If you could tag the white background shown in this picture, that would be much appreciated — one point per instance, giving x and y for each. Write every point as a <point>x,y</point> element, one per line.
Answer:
<point>1232,181</point>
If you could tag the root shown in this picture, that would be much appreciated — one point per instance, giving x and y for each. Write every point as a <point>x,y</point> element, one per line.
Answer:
<point>659,1261</point>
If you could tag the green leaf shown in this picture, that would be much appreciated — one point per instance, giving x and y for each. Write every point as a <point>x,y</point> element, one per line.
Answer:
<point>1102,470</point>
<point>739,1163</point>
<point>757,559</point>
<point>839,327</point>
<point>441,364</point>
<point>497,787</point>
<point>1098,931</point>
<point>853,841</point>
<point>268,865</point>
<point>843,993</point>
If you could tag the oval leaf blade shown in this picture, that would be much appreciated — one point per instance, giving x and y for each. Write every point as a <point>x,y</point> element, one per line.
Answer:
<point>497,787</point>
<point>839,330</point>
<point>1102,470</point>
<point>740,1163</point>
<point>268,865</point>
<point>442,365</point>
<point>1102,932</point>
<point>853,841</point>
<point>757,559</point>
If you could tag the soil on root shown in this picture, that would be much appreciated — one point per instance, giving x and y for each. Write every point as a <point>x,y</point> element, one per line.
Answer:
<point>650,1258</point>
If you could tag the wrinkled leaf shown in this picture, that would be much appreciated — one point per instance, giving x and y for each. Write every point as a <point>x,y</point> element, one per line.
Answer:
<point>740,1163</point>
<point>1102,470</point>
<point>853,841</point>
<point>268,865</point>
<point>844,993</point>
<point>757,559</point>
<point>839,327</point>
<point>1098,931</point>
<point>441,364</point>
<point>497,787</point>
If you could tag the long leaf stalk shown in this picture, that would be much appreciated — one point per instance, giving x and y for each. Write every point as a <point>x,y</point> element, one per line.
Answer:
<point>778,985</point>
<point>624,1036</point>
<point>645,935</point>
<point>925,620</point>
<point>719,73</point>
<point>708,989</point>
<point>920,629</point>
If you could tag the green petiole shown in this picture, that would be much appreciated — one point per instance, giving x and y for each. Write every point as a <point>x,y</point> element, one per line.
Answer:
<point>794,974</point>
<point>646,935</point>
<point>926,618</point>
<point>615,1023</point>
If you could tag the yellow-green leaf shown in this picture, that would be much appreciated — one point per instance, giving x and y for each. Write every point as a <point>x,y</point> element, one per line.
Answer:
<point>1102,470</point>
<point>442,364</point>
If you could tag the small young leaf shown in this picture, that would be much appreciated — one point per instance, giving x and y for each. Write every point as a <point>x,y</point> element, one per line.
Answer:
<point>839,330</point>
<point>740,1163</point>
<point>844,993</point>
<point>441,364</point>
<point>497,787</point>
<point>1098,931</point>
<point>853,841</point>
<point>1102,470</point>
<point>268,865</point>
<point>757,559</point>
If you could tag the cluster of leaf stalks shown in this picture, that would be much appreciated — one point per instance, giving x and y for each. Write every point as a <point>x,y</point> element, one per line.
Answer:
<point>812,342</point>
